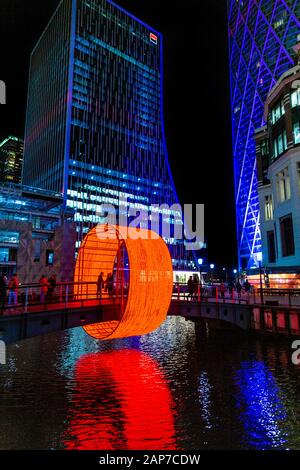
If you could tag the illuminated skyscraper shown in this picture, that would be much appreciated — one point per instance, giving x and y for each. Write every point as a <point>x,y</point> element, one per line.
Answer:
<point>94,128</point>
<point>11,159</point>
<point>261,39</point>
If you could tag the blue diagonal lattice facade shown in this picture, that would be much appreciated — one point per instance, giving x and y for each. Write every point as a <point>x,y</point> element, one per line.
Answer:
<point>262,34</point>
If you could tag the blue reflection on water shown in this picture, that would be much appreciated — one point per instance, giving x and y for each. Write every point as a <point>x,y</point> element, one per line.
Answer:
<point>260,406</point>
<point>79,343</point>
<point>205,390</point>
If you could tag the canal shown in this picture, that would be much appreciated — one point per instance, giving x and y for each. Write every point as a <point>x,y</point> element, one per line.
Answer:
<point>172,389</point>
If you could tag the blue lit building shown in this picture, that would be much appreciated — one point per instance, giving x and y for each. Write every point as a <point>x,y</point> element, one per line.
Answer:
<point>94,127</point>
<point>261,39</point>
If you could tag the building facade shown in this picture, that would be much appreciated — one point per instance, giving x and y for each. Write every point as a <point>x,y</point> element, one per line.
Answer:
<point>11,160</point>
<point>36,237</point>
<point>278,163</point>
<point>261,39</point>
<point>99,135</point>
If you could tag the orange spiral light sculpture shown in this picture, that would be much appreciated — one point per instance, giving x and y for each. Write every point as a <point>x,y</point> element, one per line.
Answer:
<point>151,278</point>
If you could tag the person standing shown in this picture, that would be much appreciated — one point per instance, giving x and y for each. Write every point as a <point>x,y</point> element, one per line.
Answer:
<point>3,291</point>
<point>267,281</point>
<point>195,286</point>
<point>239,288</point>
<point>231,286</point>
<point>100,285</point>
<point>222,290</point>
<point>110,285</point>
<point>44,288</point>
<point>52,285</point>
<point>247,286</point>
<point>190,288</point>
<point>13,287</point>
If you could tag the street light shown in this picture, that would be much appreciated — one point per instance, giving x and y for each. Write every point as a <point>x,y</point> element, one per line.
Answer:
<point>212,266</point>
<point>235,271</point>
<point>200,263</point>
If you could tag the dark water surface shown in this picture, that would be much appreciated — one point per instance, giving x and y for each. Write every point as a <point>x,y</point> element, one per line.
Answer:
<point>172,389</point>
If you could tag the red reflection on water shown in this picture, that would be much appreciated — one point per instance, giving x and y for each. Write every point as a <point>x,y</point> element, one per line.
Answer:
<point>126,404</point>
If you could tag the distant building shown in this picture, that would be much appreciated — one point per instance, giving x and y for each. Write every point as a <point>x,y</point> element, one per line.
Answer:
<point>278,163</point>
<point>99,135</point>
<point>36,237</point>
<point>11,160</point>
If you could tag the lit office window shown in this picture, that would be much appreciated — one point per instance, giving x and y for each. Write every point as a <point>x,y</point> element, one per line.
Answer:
<point>277,112</point>
<point>279,23</point>
<point>9,237</point>
<point>295,98</point>
<point>296,129</point>
<point>279,144</point>
<point>264,148</point>
<point>269,207</point>
<point>49,258</point>
<point>283,185</point>
<point>4,255</point>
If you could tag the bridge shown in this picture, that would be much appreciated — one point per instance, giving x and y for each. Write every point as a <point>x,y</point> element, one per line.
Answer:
<point>73,305</point>
<point>137,296</point>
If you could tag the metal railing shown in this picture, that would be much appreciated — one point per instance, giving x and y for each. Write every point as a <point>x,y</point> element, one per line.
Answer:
<point>275,296</point>
<point>34,297</point>
<point>255,296</point>
<point>209,293</point>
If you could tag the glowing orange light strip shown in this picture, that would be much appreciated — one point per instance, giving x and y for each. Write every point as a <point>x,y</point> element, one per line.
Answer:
<point>151,279</point>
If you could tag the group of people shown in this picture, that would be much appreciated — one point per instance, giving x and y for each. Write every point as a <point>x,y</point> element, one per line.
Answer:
<point>193,285</point>
<point>9,289</point>
<point>235,286</point>
<point>107,285</point>
<point>239,287</point>
<point>47,287</point>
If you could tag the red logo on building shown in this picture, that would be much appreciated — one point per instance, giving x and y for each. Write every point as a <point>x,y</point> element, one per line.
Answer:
<point>153,38</point>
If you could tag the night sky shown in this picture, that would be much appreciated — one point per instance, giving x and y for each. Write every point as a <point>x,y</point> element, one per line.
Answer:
<point>196,105</point>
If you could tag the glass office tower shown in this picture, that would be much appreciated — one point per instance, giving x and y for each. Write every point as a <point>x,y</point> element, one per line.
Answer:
<point>11,160</point>
<point>262,34</point>
<point>94,128</point>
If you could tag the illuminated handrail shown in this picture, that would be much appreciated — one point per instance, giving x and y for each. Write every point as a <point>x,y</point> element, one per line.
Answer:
<point>35,295</point>
<point>30,295</point>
